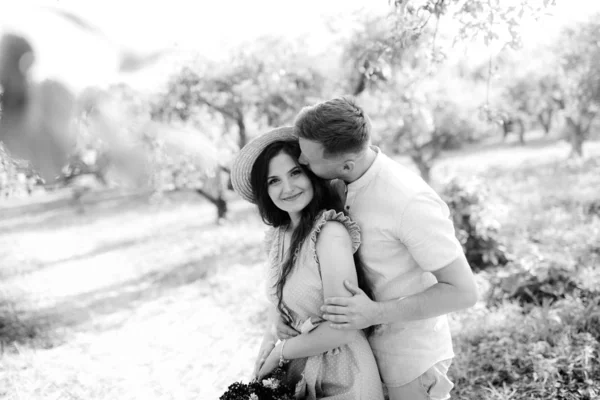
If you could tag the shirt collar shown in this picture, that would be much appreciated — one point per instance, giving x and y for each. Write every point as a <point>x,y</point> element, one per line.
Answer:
<point>370,174</point>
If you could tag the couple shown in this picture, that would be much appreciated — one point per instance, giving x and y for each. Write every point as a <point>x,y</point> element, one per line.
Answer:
<point>350,319</point>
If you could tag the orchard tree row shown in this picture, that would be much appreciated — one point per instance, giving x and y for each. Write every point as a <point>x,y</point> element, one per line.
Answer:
<point>406,68</point>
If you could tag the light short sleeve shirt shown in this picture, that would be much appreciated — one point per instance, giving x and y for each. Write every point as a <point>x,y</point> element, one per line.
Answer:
<point>406,234</point>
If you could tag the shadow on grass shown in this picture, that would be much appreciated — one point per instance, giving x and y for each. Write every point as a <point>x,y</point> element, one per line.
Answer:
<point>65,213</point>
<point>15,329</point>
<point>205,220</point>
<point>119,300</point>
<point>109,307</point>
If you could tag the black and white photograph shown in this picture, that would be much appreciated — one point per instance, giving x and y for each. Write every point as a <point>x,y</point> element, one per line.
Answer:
<point>317,200</point>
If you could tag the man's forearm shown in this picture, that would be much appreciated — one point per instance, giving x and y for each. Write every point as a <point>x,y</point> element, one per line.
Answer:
<point>455,290</point>
<point>437,300</point>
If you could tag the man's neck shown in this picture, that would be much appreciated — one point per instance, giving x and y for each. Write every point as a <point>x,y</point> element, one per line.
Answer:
<point>362,165</point>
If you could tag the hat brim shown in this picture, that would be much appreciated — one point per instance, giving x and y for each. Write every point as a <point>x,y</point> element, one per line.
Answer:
<point>244,161</point>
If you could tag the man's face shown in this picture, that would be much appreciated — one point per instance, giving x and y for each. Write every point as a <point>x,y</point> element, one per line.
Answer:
<point>312,157</point>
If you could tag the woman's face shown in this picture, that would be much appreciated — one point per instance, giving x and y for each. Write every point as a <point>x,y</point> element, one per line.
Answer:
<point>288,186</point>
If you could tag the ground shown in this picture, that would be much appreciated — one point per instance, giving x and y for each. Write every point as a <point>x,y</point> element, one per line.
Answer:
<point>144,299</point>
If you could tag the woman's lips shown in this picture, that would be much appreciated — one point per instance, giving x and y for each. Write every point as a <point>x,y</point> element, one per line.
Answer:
<point>292,198</point>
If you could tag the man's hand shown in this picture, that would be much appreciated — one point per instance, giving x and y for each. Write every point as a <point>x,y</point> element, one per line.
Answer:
<point>283,330</point>
<point>356,312</point>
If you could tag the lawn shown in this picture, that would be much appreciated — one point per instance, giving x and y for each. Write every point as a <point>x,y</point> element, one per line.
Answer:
<point>148,299</point>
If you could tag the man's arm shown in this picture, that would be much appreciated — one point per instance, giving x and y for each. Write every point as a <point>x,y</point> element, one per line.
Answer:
<point>455,290</point>
<point>428,234</point>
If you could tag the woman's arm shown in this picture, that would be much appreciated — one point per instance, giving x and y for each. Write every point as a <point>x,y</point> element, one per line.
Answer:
<point>268,341</point>
<point>334,251</point>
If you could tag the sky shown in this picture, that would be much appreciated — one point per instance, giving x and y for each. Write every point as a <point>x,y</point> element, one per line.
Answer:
<point>185,28</point>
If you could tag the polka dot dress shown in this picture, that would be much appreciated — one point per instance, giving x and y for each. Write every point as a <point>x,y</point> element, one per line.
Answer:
<point>345,373</point>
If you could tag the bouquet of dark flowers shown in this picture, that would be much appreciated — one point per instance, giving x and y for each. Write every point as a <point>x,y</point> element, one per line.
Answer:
<point>269,388</point>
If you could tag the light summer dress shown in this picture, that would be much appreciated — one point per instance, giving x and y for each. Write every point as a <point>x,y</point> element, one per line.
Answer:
<point>348,372</point>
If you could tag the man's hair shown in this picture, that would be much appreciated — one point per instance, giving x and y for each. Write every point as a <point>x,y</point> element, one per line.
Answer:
<point>339,125</point>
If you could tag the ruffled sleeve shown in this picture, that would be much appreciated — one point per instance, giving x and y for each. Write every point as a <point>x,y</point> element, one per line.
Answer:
<point>269,239</point>
<point>271,272</point>
<point>332,215</point>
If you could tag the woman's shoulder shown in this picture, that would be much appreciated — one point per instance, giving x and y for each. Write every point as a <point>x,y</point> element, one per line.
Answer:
<point>332,222</point>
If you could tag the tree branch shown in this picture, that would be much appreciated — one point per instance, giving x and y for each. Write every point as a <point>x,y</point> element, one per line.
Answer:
<point>220,109</point>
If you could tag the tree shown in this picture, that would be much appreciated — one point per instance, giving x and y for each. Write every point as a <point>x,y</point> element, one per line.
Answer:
<point>424,120</point>
<point>385,74</point>
<point>533,96</point>
<point>17,177</point>
<point>176,157</point>
<point>400,55</point>
<point>264,83</point>
<point>496,23</point>
<point>489,20</point>
<point>579,57</point>
<point>414,106</point>
<point>419,136</point>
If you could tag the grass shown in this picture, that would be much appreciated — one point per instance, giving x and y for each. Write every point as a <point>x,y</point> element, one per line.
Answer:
<point>546,349</point>
<point>139,300</point>
<point>153,301</point>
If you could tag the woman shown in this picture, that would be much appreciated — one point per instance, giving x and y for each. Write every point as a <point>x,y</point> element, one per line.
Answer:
<point>311,249</point>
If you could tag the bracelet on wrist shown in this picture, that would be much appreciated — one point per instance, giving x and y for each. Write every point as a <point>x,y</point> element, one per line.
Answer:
<point>282,360</point>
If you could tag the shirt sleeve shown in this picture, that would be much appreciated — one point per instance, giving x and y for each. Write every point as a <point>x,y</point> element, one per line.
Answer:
<point>427,231</point>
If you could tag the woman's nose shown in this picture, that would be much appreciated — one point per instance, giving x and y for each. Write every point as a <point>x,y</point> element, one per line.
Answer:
<point>287,186</point>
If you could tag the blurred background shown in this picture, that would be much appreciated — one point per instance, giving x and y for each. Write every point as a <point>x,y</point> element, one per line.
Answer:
<point>128,267</point>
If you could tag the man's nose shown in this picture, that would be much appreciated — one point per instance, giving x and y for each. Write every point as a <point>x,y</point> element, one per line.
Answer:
<point>302,160</point>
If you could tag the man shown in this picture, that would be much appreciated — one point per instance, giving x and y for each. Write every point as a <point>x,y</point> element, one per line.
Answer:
<point>416,265</point>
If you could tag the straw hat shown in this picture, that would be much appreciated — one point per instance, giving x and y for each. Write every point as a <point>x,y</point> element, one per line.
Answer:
<point>244,161</point>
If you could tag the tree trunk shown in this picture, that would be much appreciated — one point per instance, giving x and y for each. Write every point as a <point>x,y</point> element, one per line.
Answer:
<point>241,131</point>
<point>545,119</point>
<point>423,166</point>
<point>360,86</point>
<point>519,122</point>
<point>577,144</point>
<point>218,201</point>
<point>213,191</point>
<point>576,137</point>
<point>506,128</point>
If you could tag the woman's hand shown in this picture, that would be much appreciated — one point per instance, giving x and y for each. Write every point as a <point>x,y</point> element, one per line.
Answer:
<point>270,363</point>
<point>263,353</point>
<point>283,330</point>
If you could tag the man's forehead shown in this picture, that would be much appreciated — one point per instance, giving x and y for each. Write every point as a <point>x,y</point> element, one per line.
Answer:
<point>315,152</point>
<point>309,146</point>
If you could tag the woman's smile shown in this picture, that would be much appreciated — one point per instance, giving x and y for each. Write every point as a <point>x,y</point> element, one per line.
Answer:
<point>293,197</point>
<point>288,186</point>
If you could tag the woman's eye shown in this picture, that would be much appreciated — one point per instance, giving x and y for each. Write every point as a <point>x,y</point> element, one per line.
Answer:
<point>296,172</point>
<point>272,181</point>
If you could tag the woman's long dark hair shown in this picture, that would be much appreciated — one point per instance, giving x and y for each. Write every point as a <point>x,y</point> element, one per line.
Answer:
<point>325,198</point>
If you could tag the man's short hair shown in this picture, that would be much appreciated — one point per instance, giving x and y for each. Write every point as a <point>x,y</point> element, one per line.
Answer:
<point>339,125</point>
